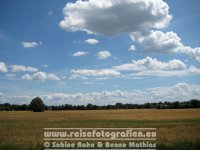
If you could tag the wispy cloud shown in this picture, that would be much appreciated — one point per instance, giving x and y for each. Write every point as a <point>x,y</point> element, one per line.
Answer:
<point>21,68</point>
<point>85,73</point>
<point>80,53</point>
<point>30,44</point>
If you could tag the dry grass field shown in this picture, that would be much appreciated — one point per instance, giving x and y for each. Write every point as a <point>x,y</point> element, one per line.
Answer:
<point>25,128</point>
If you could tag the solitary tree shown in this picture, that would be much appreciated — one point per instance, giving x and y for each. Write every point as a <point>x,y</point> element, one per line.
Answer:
<point>37,105</point>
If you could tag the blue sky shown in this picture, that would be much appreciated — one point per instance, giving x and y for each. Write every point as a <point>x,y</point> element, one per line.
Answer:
<point>99,52</point>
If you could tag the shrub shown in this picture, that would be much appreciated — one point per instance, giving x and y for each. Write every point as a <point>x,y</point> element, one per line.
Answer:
<point>37,105</point>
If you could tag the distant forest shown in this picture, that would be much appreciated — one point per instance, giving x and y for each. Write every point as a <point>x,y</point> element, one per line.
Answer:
<point>160,105</point>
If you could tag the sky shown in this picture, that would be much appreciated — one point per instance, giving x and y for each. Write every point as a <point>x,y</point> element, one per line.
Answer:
<point>99,52</point>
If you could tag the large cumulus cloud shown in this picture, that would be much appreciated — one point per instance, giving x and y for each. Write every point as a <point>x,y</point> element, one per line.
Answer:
<point>111,17</point>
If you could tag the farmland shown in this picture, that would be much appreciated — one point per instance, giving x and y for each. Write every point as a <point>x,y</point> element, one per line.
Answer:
<point>24,129</point>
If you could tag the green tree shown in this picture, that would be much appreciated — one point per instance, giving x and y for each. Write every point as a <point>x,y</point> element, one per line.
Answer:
<point>194,103</point>
<point>89,106</point>
<point>37,105</point>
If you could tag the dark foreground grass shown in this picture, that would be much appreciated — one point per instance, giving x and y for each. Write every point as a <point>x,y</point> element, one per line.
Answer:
<point>184,145</point>
<point>37,146</point>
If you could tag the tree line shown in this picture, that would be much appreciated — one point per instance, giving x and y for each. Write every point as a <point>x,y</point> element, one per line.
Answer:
<point>194,103</point>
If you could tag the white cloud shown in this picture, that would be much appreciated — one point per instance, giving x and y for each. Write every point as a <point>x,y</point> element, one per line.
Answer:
<point>152,67</point>
<point>193,52</point>
<point>80,53</point>
<point>52,77</point>
<point>3,67</point>
<point>157,41</point>
<point>85,73</point>
<point>132,48</point>
<point>138,69</point>
<point>40,76</point>
<point>160,73</point>
<point>194,70</point>
<point>77,76</point>
<point>92,41</point>
<point>30,44</point>
<point>104,54</point>
<point>21,68</point>
<point>178,92</point>
<point>149,63</point>
<point>23,99</point>
<point>169,42</point>
<point>111,17</point>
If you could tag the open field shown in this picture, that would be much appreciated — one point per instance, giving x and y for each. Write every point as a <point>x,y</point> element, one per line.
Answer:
<point>25,128</point>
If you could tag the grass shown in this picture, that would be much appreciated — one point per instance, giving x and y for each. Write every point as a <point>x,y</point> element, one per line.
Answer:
<point>176,129</point>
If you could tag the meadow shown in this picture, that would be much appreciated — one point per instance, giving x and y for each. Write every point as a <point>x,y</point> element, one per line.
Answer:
<point>176,128</point>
